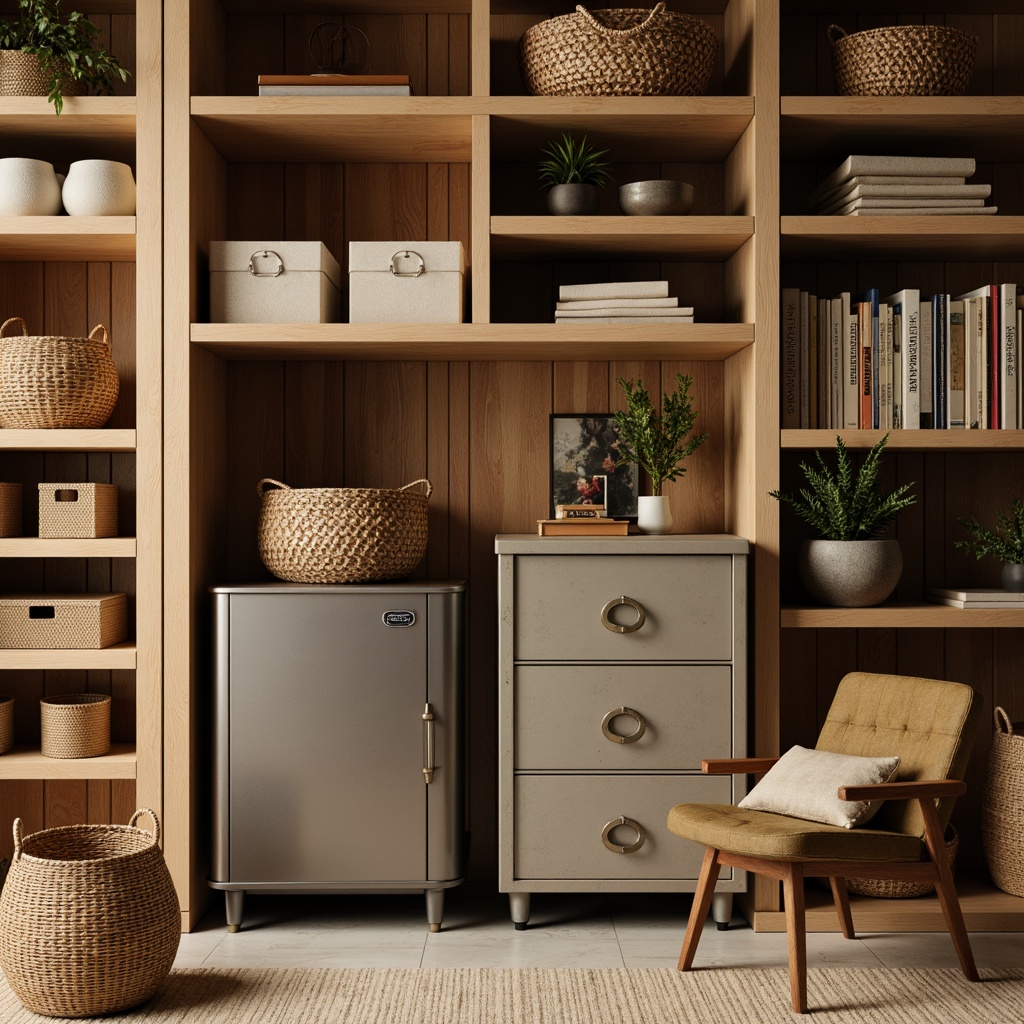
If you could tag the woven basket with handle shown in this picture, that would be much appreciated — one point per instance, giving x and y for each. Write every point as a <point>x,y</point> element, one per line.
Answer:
<point>1002,806</point>
<point>898,888</point>
<point>56,382</point>
<point>342,534</point>
<point>89,920</point>
<point>618,52</point>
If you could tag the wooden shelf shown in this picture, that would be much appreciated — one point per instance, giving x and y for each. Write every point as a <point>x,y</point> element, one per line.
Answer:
<point>910,440</point>
<point>47,547</point>
<point>29,763</point>
<point>701,238</point>
<point>347,6</point>
<point>490,342</point>
<point>67,440</point>
<point>89,127</point>
<point>67,238</point>
<point>118,656</point>
<point>901,615</point>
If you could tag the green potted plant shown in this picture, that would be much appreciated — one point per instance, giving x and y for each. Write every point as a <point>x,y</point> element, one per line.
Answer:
<point>1005,543</point>
<point>576,174</point>
<point>849,566</point>
<point>44,53</point>
<point>657,443</point>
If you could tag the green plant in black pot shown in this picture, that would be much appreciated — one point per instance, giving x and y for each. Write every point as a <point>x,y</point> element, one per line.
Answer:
<point>576,174</point>
<point>1005,543</point>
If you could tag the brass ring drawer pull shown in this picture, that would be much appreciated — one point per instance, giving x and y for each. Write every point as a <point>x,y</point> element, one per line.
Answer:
<point>641,615</point>
<point>641,725</point>
<point>641,835</point>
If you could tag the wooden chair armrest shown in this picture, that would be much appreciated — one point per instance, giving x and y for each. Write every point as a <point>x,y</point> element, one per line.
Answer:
<point>924,790</point>
<point>737,765</point>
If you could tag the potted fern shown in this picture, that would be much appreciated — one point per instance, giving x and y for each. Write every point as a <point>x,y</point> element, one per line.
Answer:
<point>850,565</point>
<point>576,174</point>
<point>1005,542</point>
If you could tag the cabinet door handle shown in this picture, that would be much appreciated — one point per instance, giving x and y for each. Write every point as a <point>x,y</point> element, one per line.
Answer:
<point>641,835</point>
<point>641,615</point>
<point>428,744</point>
<point>641,725</point>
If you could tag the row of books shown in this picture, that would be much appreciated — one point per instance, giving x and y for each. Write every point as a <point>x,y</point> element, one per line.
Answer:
<point>334,85</point>
<point>620,302</point>
<point>903,361</point>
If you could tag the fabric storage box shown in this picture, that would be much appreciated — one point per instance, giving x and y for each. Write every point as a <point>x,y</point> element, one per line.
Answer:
<point>52,621</point>
<point>10,510</point>
<point>406,282</point>
<point>77,510</point>
<point>274,283</point>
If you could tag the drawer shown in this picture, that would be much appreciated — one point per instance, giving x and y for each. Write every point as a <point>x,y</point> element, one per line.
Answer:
<point>687,603</point>
<point>559,821</point>
<point>686,712</point>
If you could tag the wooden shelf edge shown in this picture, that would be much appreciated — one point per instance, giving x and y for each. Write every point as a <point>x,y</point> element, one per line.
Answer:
<point>29,763</point>
<point>67,238</point>
<point>901,615</point>
<point>101,440</point>
<point>47,547</point>
<point>119,656</point>
<point>909,440</point>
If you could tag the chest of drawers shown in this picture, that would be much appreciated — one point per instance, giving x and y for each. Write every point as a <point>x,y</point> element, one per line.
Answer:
<point>622,663</point>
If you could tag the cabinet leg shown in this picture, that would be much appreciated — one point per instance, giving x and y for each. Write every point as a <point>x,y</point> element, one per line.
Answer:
<point>519,908</point>
<point>233,901</point>
<point>721,909</point>
<point>435,908</point>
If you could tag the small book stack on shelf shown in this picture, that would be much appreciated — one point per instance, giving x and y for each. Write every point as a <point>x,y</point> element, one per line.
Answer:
<point>334,85</point>
<point>596,527</point>
<point>581,512</point>
<point>901,186</point>
<point>620,302</point>
<point>972,597</point>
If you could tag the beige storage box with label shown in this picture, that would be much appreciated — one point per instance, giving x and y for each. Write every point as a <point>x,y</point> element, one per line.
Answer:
<point>77,510</point>
<point>274,283</point>
<point>406,282</point>
<point>52,621</point>
<point>10,510</point>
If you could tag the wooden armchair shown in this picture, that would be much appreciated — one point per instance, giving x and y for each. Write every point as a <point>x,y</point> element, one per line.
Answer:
<point>930,724</point>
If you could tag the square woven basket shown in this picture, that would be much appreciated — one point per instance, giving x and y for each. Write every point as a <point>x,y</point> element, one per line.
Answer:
<point>51,621</point>
<point>77,510</point>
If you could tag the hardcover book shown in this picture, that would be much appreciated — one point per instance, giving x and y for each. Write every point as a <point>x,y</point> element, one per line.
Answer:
<point>894,165</point>
<point>614,290</point>
<point>582,527</point>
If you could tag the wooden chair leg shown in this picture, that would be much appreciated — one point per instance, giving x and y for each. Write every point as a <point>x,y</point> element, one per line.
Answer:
<point>701,904</point>
<point>796,931</point>
<point>842,901</point>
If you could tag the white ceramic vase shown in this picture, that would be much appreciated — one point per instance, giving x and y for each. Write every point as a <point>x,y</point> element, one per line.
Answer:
<point>99,188</point>
<point>654,514</point>
<point>28,188</point>
<point>850,573</point>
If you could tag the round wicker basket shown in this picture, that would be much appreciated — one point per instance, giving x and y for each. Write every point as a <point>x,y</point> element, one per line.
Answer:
<point>53,382</point>
<point>341,534</point>
<point>22,75</point>
<point>75,725</point>
<point>618,52</point>
<point>1002,806</point>
<point>897,889</point>
<point>89,920</point>
<point>902,60</point>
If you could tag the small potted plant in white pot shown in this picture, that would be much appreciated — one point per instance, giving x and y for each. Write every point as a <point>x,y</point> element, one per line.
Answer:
<point>576,174</point>
<point>850,565</point>
<point>1005,542</point>
<point>657,443</point>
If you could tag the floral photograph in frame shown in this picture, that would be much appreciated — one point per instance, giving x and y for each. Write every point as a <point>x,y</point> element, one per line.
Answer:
<point>584,465</point>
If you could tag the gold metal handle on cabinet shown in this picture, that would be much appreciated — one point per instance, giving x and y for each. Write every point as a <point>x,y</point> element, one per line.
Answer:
<point>641,615</point>
<point>641,725</point>
<point>428,744</point>
<point>641,835</point>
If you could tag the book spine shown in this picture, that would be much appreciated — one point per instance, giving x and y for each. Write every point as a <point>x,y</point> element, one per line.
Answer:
<point>670,302</point>
<point>1008,356</point>
<point>911,361</point>
<point>872,297</point>
<point>836,339</point>
<point>614,290</point>
<point>898,369</point>
<point>994,346</point>
<point>957,360</point>
<point>790,358</point>
<point>924,350</point>
<point>864,330</point>
<point>805,361</point>
<point>851,366</point>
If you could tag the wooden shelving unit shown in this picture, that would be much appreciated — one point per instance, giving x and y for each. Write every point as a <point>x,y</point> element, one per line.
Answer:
<point>910,440</point>
<point>902,615</point>
<point>106,440</point>
<point>47,547</point>
<point>120,656</point>
<point>67,238</point>
<point>29,763</point>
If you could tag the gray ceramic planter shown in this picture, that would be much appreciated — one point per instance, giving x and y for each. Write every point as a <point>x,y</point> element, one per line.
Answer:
<point>850,573</point>
<point>573,199</point>
<point>1013,577</point>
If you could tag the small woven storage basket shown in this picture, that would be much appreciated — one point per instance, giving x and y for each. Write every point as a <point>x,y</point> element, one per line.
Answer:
<point>89,920</point>
<point>341,534</point>
<point>902,60</point>
<point>75,725</point>
<point>1002,806</point>
<point>21,75</point>
<point>897,888</point>
<point>56,382</point>
<point>618,52</point>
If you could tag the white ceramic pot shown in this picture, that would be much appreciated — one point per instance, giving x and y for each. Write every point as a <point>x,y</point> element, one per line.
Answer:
<point>850,573</point>
<point>654,514</point>
<point>28,188</point>
<point>99,188</point>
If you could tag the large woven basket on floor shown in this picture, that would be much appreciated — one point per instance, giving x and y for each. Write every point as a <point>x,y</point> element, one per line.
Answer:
<point>897,888</point>
<point>1002,806</point>
<point>55,382</point>
<point>21,75</point>
<point>902,60</point>
<point>618,52</point>
<point>342,534</point>
<point>89,920</point>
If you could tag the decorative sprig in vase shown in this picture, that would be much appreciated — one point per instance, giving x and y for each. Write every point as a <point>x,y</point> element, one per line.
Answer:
<point>1005,543</point>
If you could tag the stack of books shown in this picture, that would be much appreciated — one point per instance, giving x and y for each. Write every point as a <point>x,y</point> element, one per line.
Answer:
<point>334,85</point>
<point>901,186</point>
<point>971,597</point>
<point>620,302</point>
<point>596,527</point>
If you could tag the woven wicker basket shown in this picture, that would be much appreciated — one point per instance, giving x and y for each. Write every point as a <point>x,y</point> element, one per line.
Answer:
<point>898,889</point>
<point>1002,806</point>
<point>902,60</point>
<point>75,725</point>
<point>89,920</point>
<point>6,722</point>
<point>342,534</point>
<point>618,52</point>
<point>53,382</point>
<point>21,75</point>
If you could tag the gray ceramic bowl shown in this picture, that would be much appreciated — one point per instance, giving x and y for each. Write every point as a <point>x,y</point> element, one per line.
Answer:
<point>659,198</point>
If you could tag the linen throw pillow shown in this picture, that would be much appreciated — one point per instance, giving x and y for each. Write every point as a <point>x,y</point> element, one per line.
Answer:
<point>803,784</point>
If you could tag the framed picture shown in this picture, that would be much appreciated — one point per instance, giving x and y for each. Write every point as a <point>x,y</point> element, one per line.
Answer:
<point>584,453</point>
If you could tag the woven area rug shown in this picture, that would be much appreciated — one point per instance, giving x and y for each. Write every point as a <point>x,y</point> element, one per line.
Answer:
<point>566,996</point>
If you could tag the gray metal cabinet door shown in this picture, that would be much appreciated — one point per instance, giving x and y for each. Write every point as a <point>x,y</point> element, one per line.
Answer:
<point>326,739</point>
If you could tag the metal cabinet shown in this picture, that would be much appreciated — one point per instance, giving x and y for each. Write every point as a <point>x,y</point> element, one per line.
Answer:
<point>338,740</point>
<point>622,663</point>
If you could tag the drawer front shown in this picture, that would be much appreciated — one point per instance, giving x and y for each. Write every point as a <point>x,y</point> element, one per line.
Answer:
<point>559,821</point>
<point>686,600</point>
<point>686,712</point>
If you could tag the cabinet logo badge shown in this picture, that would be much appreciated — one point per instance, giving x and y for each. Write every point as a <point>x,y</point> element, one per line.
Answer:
<point>399,618</point>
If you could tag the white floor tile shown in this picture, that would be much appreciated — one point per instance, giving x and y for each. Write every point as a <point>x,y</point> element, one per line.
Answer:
<point>935,949</point>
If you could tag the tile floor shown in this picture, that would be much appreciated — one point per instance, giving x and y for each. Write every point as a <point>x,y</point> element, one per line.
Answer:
<point>641,930</point>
